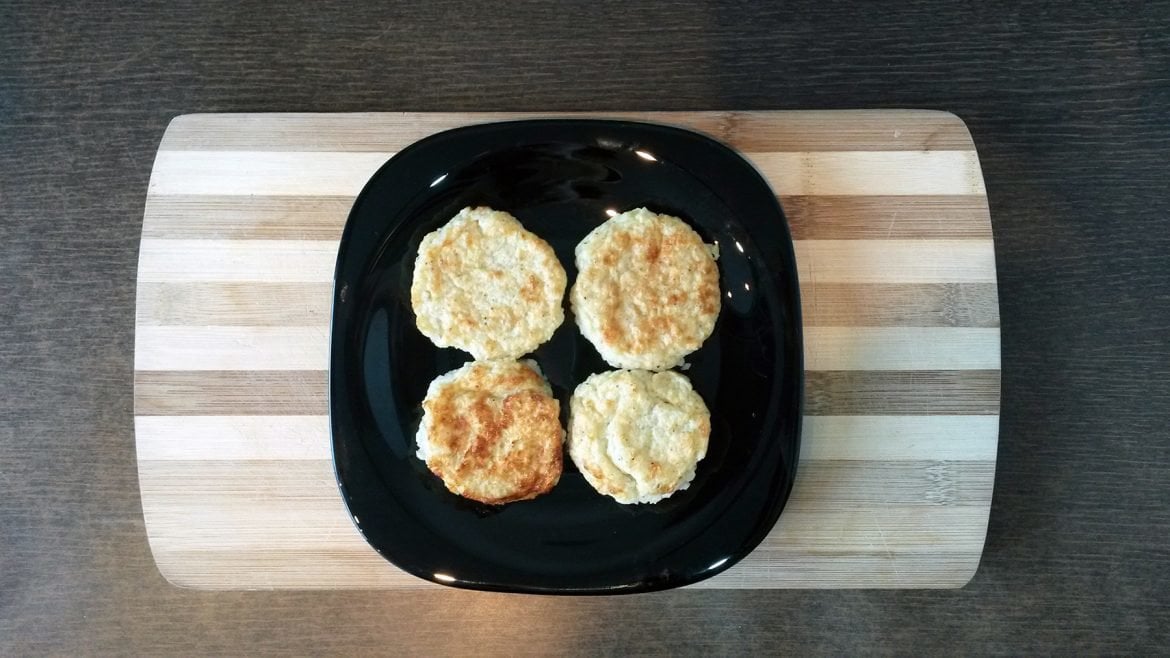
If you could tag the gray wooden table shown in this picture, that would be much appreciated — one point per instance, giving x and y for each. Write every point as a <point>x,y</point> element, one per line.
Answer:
<point>1068,108</point>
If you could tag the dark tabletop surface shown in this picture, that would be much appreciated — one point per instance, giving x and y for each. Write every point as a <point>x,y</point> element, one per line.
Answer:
<point>1068,104</point>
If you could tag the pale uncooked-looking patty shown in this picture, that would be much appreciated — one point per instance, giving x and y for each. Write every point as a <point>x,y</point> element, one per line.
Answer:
<point>647,292</point>
<point>492,431</point>
<point>637,435</point>
<point>484,284</point>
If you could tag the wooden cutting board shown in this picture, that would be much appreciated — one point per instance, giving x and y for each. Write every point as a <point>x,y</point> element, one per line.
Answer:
<point>897,273</point>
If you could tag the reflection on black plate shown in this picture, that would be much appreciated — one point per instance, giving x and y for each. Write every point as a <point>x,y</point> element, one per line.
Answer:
<point>561,178</point>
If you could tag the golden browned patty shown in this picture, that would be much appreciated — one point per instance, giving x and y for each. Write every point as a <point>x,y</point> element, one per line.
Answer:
<point>491,430</point>
<point>486,285</point>
<point>647,292</point>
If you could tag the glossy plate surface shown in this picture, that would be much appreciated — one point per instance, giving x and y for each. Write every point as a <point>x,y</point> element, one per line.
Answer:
<point>561,178</point>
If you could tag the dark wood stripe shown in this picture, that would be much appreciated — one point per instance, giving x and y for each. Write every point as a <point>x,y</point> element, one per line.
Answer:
<point>251,304</point>
<point>746,131</point>
<point>244,393</point>
<point>888,392</point>
<point>809,217</point>
<point>194,216</point>
<point>900,304</point>
<point>842,484</point>
<point>887,217</point>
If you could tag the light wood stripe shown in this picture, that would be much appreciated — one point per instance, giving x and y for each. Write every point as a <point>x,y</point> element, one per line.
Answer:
<point>906,130</point>
<point>852,393</point>
<point>901,348</point>
<point>262,304</point>
<point>323,217</point>
<point>263,173</point>
<point>818,261</point>
<point>899,304</point>
<point>232,438</point>
<point>870,173</point>
<point>895,261</point>
<point>887,217</point>
<point>307,348</point>
<point>358,568</point>
<point>231,348</point>
<point>823,438</point>
<point>253,393</point>
<point>306,261</point>
<point>827,393</point>
<point>899,438</point>
<point>283,173</point>
<point>312,521</point>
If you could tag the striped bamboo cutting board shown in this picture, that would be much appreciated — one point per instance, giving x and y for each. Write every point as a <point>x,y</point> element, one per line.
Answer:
<point>897,273</point>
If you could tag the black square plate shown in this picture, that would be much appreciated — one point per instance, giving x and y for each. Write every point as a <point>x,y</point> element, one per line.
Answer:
<point>561,178</point>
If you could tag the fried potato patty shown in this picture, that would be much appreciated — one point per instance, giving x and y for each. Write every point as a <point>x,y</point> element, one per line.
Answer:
<point>647,291</point>
<point>484,284</point>
<point>491,431</point>
<point>637,436</point>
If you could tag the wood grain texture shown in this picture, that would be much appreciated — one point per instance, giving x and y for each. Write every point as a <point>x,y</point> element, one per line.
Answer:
<point>1066,104</point>
<point>300,217</point>
<point>240,232</point>
<point>237,392</point>
<point>850,347</point>
<point>214,522</point>
<point>261,304</point>
<point>858,130</point>
<point>344,173</point>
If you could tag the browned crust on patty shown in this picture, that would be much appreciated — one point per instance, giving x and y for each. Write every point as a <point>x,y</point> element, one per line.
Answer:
<point>495,434</point>
<point>648,290</point>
